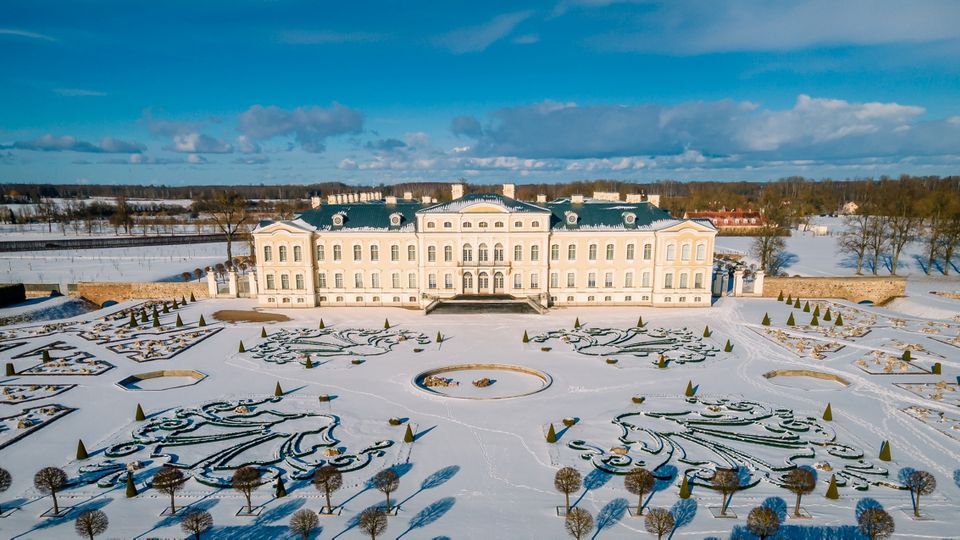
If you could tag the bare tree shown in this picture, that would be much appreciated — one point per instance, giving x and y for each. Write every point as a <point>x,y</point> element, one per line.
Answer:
<point>727,482</point>
<point>855,238</point>
<point>659,522</point>
<point>5,481</point>
<point>196,522</point>
<point>902,227</point>
<point>303,522</point>
<point>245,480</point>
<point>328,479</point>
<point>567,481</point>
<point>372,521</point>
<point>91,523</point>
<point>877,239</point>
<point>386,481</point>
<point>229,213</point>
<point>578,523</point>
<point>768,248</point>
<point>920,483</point>
<point>639,482</point>
<point>50,480</point>
<point>169,480</point>
<point>763,522</point>
<point>198,273</point>
<point>799,481</point>
<point>875,523</point>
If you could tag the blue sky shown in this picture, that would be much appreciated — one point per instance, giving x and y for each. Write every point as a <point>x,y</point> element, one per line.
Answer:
<point>227,92</point>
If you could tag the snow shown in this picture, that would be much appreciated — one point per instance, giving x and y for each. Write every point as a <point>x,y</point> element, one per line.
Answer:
<point>483,468</point>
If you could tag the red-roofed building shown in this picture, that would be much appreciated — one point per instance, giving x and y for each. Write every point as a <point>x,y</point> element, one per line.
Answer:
<point>730,219</point>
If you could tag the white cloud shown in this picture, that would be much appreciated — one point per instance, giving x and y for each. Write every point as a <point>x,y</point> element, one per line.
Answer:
<point>26,34</point>
<point>78,92</point>
<point>193,143</point>
<point>67,143</point>
<point>478,38</point>
<point>310,126</point>
<point>320,37</point>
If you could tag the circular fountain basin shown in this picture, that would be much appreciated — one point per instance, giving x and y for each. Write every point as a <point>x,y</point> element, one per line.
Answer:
<point>501,381</point>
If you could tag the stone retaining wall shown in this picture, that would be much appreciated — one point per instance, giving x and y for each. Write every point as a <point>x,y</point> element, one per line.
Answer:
<point>854,288</point>
<point>99,293</point>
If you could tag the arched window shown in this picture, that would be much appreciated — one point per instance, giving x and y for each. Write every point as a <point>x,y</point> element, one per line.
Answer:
<point>337,253</point>
<point>630,252</point>
<point>685,252</point>
<point>284,281</point>
<point>482,254</point>
<point>483,281</point>
<point>357,252</point>
<point>482,225</point>
<point>394,252</point>
<point>518,252</point>
<point>628,280</point>
<point>375,280</point>
<point>467,224</point>
<point>447,225</point>
<point>267,253</point>
<point>467,281</point>
<point>683,280</point>
<point>671,252</point>
<point>358,280</point>
<point>555,252</point>
<point>609,252</point>
<point>592,280</point>
<point>647,252</point>
<point>338,280</point>
<point>395,280</point>
<point>572,252</point>
<point>411,280</point>
<point>534,280</point>
<point>467,253</point>
<point>297,254</point>
<point>431,281</point>
<point>432,254</point>
<point>498,280</point>
<point>498,225</point>
<point>701,252</point>
<point>554,280</point>
<point>447,253</point>
<point>283,253</point>
<point>534,253</point>
<point>321,280</point>
<point>374,253</point>
<point>571,279</point>
<point>592,252</point>
<point>646,280</point>
<point>448,281</point>
<point>535,224</point>
<point>668,281</point>
<point>498,252</point>
<point>431,225</point>
<point>411,253</point>
<point>271,282</point>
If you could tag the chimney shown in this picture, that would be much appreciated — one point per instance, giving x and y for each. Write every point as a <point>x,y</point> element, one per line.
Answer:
<point>510,191</point>
<point>576,199</point>
<point>456,191</point>
<point>331,199</point>
<point>634,197</point>
<point>340,198</point>
<point>606,195</point>
<point>654,200</point>
<point>425,199</point>
<point>315,201</point>
<point>391,200</point>
<point>541,198</point>
<point>407,195</point>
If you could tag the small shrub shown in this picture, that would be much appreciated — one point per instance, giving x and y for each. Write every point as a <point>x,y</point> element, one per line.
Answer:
<point>139,416</point>
<point>832,491</point>
<point>395,421</point>
<point>906,356</point>
<point>790,321</point>
<point>780,296</point>
<point>241,349</point>
<point>526,338</point>
<point>202,321</point>
<point>611,361</point>
<point>545,349</point>
<point>278,391</point>
<point>11,371</point>
<point>81,450</point>
<point>638,399</point>
<point>408,435</point>
<point>690,391</point>
<point>828,413</point>
<point>356,361</point>
<point>766,319</point>
<point>324,398</point>
<point>569,422</point>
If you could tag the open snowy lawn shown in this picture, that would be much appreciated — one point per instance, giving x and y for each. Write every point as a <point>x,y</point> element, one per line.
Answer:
<point>481,468</point>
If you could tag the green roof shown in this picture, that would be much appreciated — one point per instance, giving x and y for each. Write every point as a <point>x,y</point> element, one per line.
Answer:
<point>594,213</point>
<point>372,215</point>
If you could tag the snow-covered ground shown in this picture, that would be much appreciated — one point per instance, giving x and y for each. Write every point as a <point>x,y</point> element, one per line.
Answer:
<point>483,469</point>
<point>152,263</point>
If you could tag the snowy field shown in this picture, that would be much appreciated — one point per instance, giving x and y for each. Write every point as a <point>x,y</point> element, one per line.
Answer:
<point>149,263</point>
<point>483,468</point>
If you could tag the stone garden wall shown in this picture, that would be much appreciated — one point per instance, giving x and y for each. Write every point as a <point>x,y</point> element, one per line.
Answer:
<point>99,293</point>
<point>853,288</point>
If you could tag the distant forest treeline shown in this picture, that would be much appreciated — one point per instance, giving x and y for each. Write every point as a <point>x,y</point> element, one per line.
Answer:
<point>803,194</point>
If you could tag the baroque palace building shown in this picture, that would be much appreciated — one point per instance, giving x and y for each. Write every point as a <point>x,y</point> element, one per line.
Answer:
<point>365,250</point>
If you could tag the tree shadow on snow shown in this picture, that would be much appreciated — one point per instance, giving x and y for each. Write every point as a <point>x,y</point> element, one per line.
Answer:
<point>595,479</point>
<point>683,512</point>
<point>434,480</point>
<point>430,514</point>
<point>610,515</point>
<point>279,512</point>
<point>68,516</point>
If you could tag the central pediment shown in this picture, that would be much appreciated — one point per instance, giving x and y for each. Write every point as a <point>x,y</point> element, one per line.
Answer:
<point>483,204</point>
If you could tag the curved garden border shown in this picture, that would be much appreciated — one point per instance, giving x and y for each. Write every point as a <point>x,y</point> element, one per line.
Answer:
<point>544,377</point>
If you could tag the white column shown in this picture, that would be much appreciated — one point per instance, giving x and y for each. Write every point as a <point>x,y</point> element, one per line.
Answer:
<point>232,280</point>
<point>211,283</point>
<point>758,283</point>
<point>738,283</point>
<point>252,277</point>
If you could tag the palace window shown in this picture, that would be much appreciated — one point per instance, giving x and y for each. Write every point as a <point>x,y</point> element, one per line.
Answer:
<point>498,253</point>
<point>671,252</point>
<point>358,280</point>
<point>411,281</point>
<point>395,280</point>
<point>448,281</point>
<point>668,281</point>
<point>283,253</point>
<point>685,252</point>
<point>554,280</point>
<point>571,279</point>
<point>411,253</point>
<point>357,252</point>
<point>591,280</point>
<point>517,281</point>
<point>338,281</point>
<point>628,280</point>
<point>267,253</point>
<point>534,253</point>
<point>592,252</point>
<point>647,252</point>
<point>609,252</point>
<point>518,252</point>
<point>394,252</point>
<point>608,280</point>
<point>337,253</point>
<point>320,252</point>
<point>630,250</point>
<point>271,282</point>
<point>297,253</point>
<point>467,281</point>
<point>572,252</point>
<point>375,280</point>
<point>698,281</point>
<point>683,280</point>
<point>447,253</point>
<point>432,254</point>
<point>555,252</point>
<point>646,280</point>
<point>299,281</point>
<point>701,252</point>
<point>431,281</point>
<point>322,280</point>
<point>374,253</point>
<point>467,253</point>
<point>482,253</point>
<point>534,281</point>
<point>284,281</point>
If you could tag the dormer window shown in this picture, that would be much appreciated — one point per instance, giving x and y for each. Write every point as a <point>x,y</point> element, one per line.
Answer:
<point>483,224</point>
<point>571,218</point>
<point>337,220</point>
<point>431,225</point>
<point>629,218</point>
<point>395,219</point>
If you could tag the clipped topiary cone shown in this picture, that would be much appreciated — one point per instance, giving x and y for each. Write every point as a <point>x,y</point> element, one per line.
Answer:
<point>728,347</point>
<point>46,355</point>
<point>839,319</point>
<point>662,363</point>
<point>684,486</point>
<point>166,308</point>
<point>797,303</point>
<point>263,332</point>
<point>133,320</point>
<point>322,326</point>
<point>766,319</point>
<point>806,307</point>
<point>278,391</point>
<point>827,316</point>
<point>816,310</point>
<point>780,296</point>
<point>281,490</point>
<point>183,301</point>
<point>790,321</point>
<point>789,299</point>
<point>241,349</point>
<point>832,491</point>
<point>175,305</point>
<point>202,321</point>
<point>192,298</point>
<point>309,363</point>
<point>386,324</point>
<point>906,356</point>
<point>706,331</point>
<point>11,371</point>
<point>408,435</point>
<point>179,321</point>
<point>814,321</point>
<point>139,416</point>
<point>551,435</point>
<point>885,451</point>
<point>81,450</point>
<point>526,338</point>
<point>828,413</point>
<point>936,369</point>
<point>439,338</point>
<point>689,391</point>
<point>640,322</point>
<point>576,323</point>
<point>156,320</point>
<point>131,486</point>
